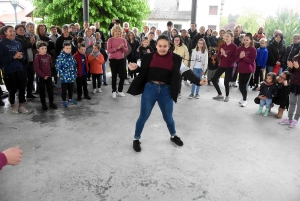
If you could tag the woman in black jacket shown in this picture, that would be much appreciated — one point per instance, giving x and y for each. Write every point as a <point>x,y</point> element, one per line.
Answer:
<point>133,56</point>
<point>158,82</point>
<point>276,50</point>
<point>27,46</point>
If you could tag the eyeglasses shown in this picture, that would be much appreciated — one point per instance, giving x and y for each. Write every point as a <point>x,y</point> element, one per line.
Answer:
<point>282,77</point>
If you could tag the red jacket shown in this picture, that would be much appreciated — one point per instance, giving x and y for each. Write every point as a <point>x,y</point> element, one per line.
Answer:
<point>247,63</point>
<point>77,57</point>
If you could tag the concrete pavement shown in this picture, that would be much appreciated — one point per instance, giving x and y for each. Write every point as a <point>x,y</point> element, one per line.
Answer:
<point>85,152</point>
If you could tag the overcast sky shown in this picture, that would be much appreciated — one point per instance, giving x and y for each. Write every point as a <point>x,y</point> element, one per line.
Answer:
<point>263,6</point>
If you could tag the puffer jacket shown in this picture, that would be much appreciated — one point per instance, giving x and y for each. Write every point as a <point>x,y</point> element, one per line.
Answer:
<point>291,51</point>
<point>295,72</point>
<point>276,52</point>
<point>66,66</point>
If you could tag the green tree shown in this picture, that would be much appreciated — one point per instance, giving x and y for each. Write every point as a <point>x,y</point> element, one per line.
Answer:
<point>250,20</point>
<point>59,12</point>
<point>285,20</point>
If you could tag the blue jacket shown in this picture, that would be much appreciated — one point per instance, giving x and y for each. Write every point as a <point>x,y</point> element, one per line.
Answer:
<point>262,57</point>
<point>66,67</point>
<point>8,49</point>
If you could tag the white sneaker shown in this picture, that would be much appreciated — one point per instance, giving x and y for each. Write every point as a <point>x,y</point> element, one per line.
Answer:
<point>126,82</point>
<point>94,91</point>
<point>114,95</point>
<point>23,110</point>
<point>99,90</point>
<point>244,104</point>
<point>121,94</point>
<point>242,100</point>
<point>186,83</point>
<point>234,84</point>
<point>130,80</point>
<point>14,110</point>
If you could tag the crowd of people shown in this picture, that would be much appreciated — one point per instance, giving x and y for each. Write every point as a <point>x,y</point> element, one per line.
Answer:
<point>69,56</point>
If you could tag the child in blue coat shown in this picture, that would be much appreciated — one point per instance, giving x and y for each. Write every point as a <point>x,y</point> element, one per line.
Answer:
<point>66,67</point>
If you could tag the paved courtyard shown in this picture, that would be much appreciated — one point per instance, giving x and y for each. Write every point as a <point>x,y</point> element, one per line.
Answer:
<point>84,152</point>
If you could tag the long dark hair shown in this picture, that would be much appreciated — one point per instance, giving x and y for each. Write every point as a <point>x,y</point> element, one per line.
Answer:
<point>177,36</point>
<point>249,35</point>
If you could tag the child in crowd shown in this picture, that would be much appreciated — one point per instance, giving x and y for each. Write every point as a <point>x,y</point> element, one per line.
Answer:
<point>103,52</point>
<point>269,90</point>
<point>261,62</point>
<point>212,64</point>
<point>98,38</point>
<point>144,48</point>
<point>152,41</point>
<point>66,68</point>
<point>82,71</point>
<point>213,39</point>
<point>199,62</point>
<point>96,60</point>
<point>42,67</point>
<point>294,107</point>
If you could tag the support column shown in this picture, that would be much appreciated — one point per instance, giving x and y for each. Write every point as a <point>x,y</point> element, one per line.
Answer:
<point>194,11</point>
<point>86,10</point>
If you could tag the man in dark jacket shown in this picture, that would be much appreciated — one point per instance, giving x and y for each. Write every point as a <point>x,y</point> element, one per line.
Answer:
<point>193,30</point>
<point>201,34</point>
<point>292,50</point>
<point>65,37</point>
<point>186,40</point>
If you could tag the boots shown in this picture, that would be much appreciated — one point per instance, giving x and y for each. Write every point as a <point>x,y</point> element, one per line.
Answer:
<point>266,112</point>
<point>259,110</point>
<point>280,113</point>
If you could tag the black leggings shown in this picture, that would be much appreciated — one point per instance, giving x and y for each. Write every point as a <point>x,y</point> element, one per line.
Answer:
<point>67,87</point>
<point>228,76</point>
<point>97,77</point>
<point>244,80</point>
<point>14,82</point>
<point>43,85</point>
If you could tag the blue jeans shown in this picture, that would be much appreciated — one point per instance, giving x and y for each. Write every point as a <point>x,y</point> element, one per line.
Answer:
<point>155,93</point>
<point>270,69</point>
<point>104,72</point>
<point>266,102</point>
<point>198,73</point>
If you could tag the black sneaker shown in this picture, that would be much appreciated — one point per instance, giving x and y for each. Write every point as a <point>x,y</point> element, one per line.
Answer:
<point>105,84</point>
<point>176,140</point>
<point>137,146</point>
<point>44,107</point>
<point>53,106</point>
<point>78,98</point>
<point>87,97</point>
<point>255,88</point>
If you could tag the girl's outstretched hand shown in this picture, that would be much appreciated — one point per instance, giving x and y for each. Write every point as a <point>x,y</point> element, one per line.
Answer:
<point>132,66</point>
<point>203,81</point>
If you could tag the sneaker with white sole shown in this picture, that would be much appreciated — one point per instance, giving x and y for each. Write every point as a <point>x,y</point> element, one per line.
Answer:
<point>179,96</point>
<point>244,104</point>
<point>114,94</point>
<point>242,99</point>
<point>218,97</point>
<point>186,83</point>
<point>197,96</point>
<point>23,110</point>
<point>226,99</point>
<point>234,84</point>
<point>286,121</point>
<point>94,91</point>
<point>126,82</point>
<point>293,123</point>
<point>14,110</point>
<point>191,96</point>
<point>121,94</point>
<point>99,90</point>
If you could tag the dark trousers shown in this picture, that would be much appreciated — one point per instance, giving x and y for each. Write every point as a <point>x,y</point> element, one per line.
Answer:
<point>29,73</point>
<point>244,80</point>
<point>235,74</point>
<point>43,85</point>
<point>14,82</point>
<point>97,77</point>
<point>66,87</point>
<point>228,76</point>
<point>258,75</point>
<point>82,84</point>
<point>117,67</point>
<point>131,60</point>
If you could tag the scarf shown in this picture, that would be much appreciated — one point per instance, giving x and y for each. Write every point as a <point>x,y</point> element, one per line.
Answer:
<point>95,54</point>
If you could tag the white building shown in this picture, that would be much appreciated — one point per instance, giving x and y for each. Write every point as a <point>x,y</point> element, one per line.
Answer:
<point>179,12</point>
